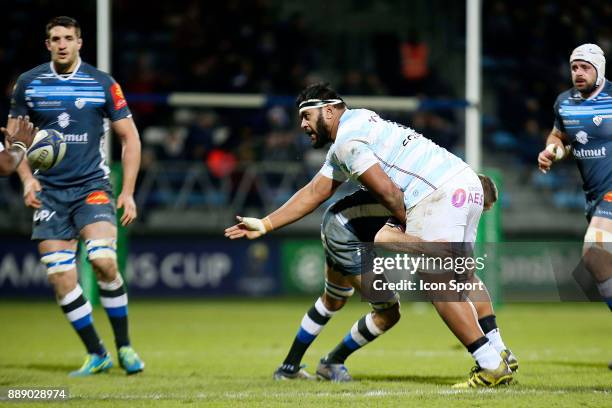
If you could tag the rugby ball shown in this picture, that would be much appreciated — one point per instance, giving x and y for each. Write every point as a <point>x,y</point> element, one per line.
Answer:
<point>47,150</point>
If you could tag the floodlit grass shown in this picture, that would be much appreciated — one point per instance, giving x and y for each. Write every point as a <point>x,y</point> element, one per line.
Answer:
<point>223,353</point>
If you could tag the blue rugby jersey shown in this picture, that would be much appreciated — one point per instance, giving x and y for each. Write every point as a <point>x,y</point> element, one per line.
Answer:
<point>361,213</point>
<point>75,105</point>
<point>416,164</point>
<point>588,125</point>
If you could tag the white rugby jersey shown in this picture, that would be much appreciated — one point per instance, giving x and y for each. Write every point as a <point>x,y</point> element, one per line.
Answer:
<point>416,164</point>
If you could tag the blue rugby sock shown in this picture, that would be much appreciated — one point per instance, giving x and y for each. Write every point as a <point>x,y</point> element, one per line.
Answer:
<point>78,311</point>
<point>312,324</point>
<point>363,332</point>
<point>114,299</point>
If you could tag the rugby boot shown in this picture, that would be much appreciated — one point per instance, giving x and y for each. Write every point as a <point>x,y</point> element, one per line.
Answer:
<point>482,377</point>
<point>333,372</point>
<point>282,373</point>
<point>94,364</point>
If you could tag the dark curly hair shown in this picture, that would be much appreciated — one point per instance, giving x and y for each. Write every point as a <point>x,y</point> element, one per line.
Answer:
<point>321,90</point>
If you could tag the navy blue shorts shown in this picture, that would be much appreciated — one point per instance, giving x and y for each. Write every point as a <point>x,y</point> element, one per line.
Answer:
<point>64,212</point>
<point>600,208</point>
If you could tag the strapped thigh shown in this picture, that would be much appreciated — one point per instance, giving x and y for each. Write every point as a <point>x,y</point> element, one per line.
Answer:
<point>59,261</point>
<point>101,248</point>
<point>338,292</point>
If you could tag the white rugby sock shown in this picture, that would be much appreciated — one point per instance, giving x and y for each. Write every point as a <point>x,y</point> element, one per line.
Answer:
<point>496,341</point>
<point>487,357</point>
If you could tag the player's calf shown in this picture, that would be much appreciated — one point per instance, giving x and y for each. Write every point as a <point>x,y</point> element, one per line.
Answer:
<point>113,296</point>
<point>386,315</point>
<point>77,309</point>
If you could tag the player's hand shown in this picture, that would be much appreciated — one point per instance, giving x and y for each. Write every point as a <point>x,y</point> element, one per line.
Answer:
<point>251,228</point>
<point>126,201</point>
<point>31,186</point>
<point>24,131</point>
<point>545,160</point>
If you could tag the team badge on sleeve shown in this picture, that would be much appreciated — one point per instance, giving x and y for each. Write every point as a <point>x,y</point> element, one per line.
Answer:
<point>608,197</point>
<point>118,98</point>
<point>97,197</point>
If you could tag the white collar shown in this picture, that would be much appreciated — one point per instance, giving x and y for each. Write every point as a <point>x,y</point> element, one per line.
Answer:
<point>61,78</point>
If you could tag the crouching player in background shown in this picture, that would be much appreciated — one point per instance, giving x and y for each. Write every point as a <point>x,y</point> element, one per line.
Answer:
<point>74,199</point>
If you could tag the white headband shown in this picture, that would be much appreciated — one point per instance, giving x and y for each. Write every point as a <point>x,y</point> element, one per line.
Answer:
<point>317,103</point>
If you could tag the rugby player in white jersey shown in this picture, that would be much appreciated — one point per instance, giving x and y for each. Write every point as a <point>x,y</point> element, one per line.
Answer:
<point>583,126</point>
<point>405,172</point>
<point>17,144</point>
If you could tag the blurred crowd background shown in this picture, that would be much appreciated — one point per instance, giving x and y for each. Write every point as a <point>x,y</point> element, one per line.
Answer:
<point>202,166</point>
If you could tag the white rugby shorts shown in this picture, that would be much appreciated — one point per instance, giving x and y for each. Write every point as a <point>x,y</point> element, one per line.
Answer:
<point>451,213</point>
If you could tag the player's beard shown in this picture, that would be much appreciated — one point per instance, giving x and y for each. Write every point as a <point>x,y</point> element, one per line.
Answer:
<point>322,134</point>
<point>586,88</point>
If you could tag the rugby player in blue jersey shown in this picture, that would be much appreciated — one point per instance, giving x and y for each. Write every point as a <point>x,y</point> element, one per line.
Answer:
<point>583,126</point>
<point>17,143</point>
<point>402,170</point>
<point>74,199</point>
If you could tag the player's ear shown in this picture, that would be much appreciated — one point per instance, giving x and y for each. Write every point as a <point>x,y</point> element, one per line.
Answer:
<point>329,112</point>
<point>79,42</point>
<point>48,44</point>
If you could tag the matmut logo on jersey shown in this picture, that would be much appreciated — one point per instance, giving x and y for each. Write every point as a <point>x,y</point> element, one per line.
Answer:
<point>97,198</point>
<point>118,98</point>
<point>81,138</point>
<point>590,153</point>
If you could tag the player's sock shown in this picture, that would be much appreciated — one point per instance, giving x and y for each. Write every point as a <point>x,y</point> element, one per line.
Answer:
<point>363,332</point>
<point>78,311</point>
<point>489,327</point>
<point>312,324</point>
<point>114,299</point>
<point>605,289</point>
<point>484,353</point>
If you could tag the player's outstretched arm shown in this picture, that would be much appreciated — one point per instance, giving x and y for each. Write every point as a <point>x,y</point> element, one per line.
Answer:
<point>385,191</point>
<point>17,143</point>
<point>555,150</point>
<point>126,130</point>
<point>305,201</point>
<point>30,184</point>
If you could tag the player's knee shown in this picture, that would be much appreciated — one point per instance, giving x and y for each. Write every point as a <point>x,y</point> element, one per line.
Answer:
<point>102,254</point>
<point>105,269</point>
<point>336,296</point>
<point>58,262</point>
<point>385,234</point>
<point>62,282</point>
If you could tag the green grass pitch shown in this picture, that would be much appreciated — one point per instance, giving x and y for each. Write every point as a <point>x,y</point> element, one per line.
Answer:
<point>223,353</point>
